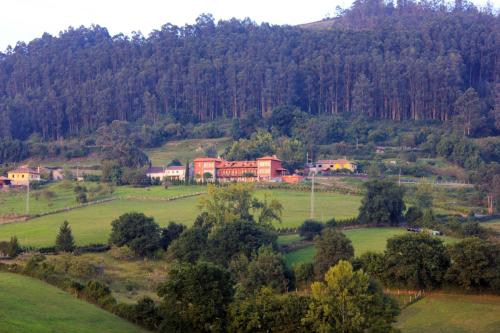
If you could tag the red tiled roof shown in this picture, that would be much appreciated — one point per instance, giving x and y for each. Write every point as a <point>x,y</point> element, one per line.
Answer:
<point>24,169</point>
<point>206,159</point>
<point>339,161</point>
<point>269,158</point>
<point>176,167</point>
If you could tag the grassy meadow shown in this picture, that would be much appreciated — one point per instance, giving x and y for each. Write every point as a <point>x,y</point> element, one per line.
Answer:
<point>453,314</point>
<point>185,150</point>
<point>363,240</point>
<point>29,305</point>
<point>92,224</point>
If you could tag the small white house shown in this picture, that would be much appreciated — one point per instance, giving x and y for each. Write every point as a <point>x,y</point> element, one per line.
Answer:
<point>170,173</point>
<point>175,172</point>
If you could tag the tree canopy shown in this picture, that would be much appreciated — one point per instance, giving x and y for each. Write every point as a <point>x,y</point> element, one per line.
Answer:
<point>413,61</point>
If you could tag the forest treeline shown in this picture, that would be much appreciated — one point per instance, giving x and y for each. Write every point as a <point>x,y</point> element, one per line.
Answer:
<point>410,61</point>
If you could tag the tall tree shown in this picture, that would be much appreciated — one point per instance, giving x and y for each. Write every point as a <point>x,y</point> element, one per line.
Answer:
<point>382,203</point>
<point>468,107</point>
<point>64,239</point>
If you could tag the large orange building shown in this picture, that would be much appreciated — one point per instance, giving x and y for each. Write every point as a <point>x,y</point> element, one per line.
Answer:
<point>263,169</point>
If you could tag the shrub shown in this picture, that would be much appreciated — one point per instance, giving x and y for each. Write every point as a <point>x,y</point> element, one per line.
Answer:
<point>138,231</point>
<point>310,228</point>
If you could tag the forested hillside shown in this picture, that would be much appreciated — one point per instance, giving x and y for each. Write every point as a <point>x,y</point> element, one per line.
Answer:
<point>411,61</point>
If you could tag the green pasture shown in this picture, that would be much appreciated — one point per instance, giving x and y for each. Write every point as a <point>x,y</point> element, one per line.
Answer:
<point>185,150</point>
<point>363,240</point>
<point>92,224</point>
<point>453,314</point>
<point>28,305</point>
<point>14,201</point>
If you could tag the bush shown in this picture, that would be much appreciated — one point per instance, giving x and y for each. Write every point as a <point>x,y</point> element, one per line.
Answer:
<point>99,293</point>
<point>310,228</point>
<point>138,232</point>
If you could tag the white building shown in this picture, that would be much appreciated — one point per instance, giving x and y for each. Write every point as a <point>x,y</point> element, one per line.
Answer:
<point>169,173</point>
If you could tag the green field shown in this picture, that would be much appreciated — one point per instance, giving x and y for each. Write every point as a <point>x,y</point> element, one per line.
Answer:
<point>453,314</point>
<point>28,305</point>
<point>14,202</point>
<point>92,224</point>
<point>185,150</point>
<point>363,240</point>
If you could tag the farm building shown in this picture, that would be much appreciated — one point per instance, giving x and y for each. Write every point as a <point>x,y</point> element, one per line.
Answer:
<point>263,169</point>
<point>333,165</point>
<point>22,175</point>
<point>292,179</point>
<point>170,173</point>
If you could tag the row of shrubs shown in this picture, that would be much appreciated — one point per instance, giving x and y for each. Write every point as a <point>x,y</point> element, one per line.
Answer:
<point>332,223</point>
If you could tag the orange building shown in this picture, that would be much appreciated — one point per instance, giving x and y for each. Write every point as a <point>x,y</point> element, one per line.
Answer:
<point>263,169</point>
<point>292,179</point>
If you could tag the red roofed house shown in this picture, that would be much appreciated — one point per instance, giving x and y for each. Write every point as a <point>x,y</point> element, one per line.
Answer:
<point>263,169</point>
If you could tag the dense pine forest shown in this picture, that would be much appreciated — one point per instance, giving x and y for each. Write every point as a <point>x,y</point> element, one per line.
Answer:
<point>413,61</point>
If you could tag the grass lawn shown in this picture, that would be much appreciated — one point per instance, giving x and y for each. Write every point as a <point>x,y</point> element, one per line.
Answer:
<point>29,305</point>
<point>363,240</point>
<point>185,150</point>
<point>452,313</point>
<point>92,224</point>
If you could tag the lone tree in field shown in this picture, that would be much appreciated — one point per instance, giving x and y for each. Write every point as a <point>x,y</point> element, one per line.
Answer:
<point>310,228</point>
<point>382,204</point>
<point>64,240</point>
<point>139,232</point>
<point>237,203</point>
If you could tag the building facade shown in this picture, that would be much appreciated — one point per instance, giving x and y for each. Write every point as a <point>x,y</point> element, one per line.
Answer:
<point>23,175</point>
<point>332,166</point>
<point>169,173</point>
<point>266,168</point>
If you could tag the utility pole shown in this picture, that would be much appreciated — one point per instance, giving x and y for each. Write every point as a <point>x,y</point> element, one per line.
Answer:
<point>28,196</point>
<point>312,195</point>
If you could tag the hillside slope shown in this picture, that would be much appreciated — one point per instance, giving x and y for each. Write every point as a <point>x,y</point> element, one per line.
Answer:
<point>28,305</point>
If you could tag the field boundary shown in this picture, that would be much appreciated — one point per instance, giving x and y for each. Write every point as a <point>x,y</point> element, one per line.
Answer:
<point>60,210</point>
<point>24,218</point>
<point>148,198</point>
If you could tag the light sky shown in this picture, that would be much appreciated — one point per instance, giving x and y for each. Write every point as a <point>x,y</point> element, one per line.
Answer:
<point>24,20</point>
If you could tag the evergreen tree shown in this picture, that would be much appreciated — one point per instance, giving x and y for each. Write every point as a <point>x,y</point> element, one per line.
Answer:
<point>64,240</point>
<point>13,248</point>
